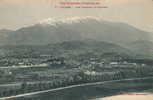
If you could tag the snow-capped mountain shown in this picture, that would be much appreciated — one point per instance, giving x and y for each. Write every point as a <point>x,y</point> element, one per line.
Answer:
<point>55,30</point>
<point>69,20</point>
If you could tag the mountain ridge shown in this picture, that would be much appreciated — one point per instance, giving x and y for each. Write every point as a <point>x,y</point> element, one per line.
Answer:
<point>76,29</point>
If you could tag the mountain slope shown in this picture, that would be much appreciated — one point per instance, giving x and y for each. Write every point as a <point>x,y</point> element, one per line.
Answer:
<point>71,49</point>
<point>4,33</point>
<point>141,46</point>
<point>76,28</point>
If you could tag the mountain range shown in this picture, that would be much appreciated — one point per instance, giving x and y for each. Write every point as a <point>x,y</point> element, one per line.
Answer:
<point>67,30</point>
<point>75,28</point>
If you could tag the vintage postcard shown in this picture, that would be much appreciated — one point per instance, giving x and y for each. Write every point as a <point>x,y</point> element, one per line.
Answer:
<point>76,50</point>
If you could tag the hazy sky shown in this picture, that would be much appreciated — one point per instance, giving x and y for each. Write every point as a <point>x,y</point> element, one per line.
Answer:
<point>18,13</point>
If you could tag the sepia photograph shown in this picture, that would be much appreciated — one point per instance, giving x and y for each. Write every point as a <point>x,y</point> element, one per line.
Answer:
<point>76,50</point>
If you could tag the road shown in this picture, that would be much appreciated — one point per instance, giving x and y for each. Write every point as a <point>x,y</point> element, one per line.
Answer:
<point>72,86</point>
<point>19,84</point>
<point>16,67</point>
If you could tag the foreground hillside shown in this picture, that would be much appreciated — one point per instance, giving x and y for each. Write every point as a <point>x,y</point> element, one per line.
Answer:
<point>74,50</point>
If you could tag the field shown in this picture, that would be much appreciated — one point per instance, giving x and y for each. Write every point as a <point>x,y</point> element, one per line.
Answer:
<point>27,69</point>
